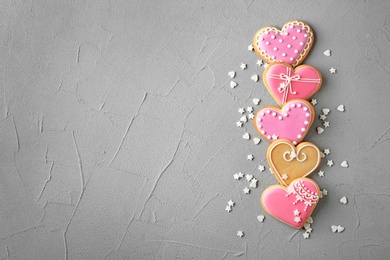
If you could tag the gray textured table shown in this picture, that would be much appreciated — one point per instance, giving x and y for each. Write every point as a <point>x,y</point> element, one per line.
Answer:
<point>118,135</point>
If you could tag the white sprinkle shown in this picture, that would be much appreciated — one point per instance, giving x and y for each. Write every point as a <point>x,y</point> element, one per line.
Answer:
<point>232,74</point>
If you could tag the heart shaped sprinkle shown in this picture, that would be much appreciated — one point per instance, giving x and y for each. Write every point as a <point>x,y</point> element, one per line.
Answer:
<point>232,74</point>
<point>256,101</point>
<point>256,140</point>
<point>260,218</point>
<point>341,108</point>
<point>249,177</point>
<point>246,136</point>
<point>327,53</point>
<point>253,183</point>
<point>292,122</point>
<point>343,200</point>
<point>291,44</point>
<point>326,111</point>
<point>233,84</point>
<point>320,130</point>
<point>344,164</point>
<point>334,228</point>
<point>244,119</point>
<point>340,229</point>
<point>255,78</point>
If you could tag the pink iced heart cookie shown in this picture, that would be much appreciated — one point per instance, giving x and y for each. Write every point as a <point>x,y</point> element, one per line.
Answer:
<point>291,44</point>
<point>292,122</point>
<point>292,205</point>
<point>285,83</point>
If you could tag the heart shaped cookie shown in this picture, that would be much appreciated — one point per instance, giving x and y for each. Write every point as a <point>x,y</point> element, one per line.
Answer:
<point>292,122</point>
<point>291,44</point>
<point>285,83</point>
<point>288,162</point>
<point>292,205</point>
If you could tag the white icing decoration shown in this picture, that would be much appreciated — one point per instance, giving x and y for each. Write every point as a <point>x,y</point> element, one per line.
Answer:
<point>297,153</point>
<point>303,194</point>
<point>309,34</point>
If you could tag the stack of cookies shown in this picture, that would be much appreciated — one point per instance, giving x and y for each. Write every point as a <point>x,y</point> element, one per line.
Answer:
<point>291,160</point>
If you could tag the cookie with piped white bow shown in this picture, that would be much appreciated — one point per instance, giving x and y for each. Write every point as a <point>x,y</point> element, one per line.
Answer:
<point>286,83</point>
<point>291,122</point>
<point>291,44</point>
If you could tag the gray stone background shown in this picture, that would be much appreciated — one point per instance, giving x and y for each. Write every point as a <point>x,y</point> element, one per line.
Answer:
<point>118,135</point>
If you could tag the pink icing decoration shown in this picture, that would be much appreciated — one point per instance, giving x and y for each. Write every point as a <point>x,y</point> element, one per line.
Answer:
<point>285,84</point>
<point>292,123</point>
<point>286,45</point>
<point>301,196</point>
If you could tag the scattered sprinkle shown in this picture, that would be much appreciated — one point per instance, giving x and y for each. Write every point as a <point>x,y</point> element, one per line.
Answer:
<point>343,200</point>
<point>261,168</point>
<point>249,177</point>
<point>284,177</point>
<point>246,136</point>
<point>320,130</point>
<point>256,101</point>
<point>326,124</point>
<point>322,117</point>
<point>241,110</point>
<point>232,74</point>
<point>260,218</point>
<point>259,62</point>
<point>253,183</point>
<point>337,229</point>
<point>251,116</point>
<point>306,235</point>
<point>255,78</point>
<point>326,151</point>
<point>240,175</point>
<point>324,192</point>
<point>246,190</point>
<point>228,208</point>
<point>341,108</point>
<point>244,119</point>
<point>240,233</point>
<point>321,173</point>
<point>250,47</point>
<point>236,176</point>
<point>239,124</point>
<point>309,220</point>
<point>327,53</point>
<point>233,84</point>
<point>330,163</point>
<point>256,140</point>
<point>332,70</point>
<point>313,102</point>
<point>326,111</point>
<point>249,109</point>
<point>231,203</point>
<point>344,164</point>
<point>243,66</point>
<point>322,155</point>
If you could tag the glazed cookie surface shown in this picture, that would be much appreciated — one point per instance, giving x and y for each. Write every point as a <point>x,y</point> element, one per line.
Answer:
<point>286,83</point>
<point>291,44</point>
<point>294,204</point>
<point>292,122</point>
<point>288,162</point>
